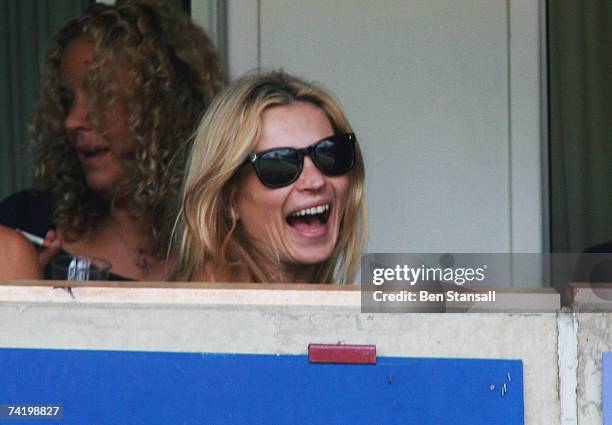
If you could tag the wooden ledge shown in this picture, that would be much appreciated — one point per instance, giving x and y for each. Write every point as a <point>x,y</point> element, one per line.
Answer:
<point>181,285</point>
<point>243,294</point>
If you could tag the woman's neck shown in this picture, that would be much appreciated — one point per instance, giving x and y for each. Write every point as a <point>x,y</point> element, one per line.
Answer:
<point>292,273</point>
<point>136,231</point>
<point>284,271</point>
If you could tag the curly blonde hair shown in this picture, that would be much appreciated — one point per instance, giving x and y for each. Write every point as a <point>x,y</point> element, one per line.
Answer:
<point>173,74</point>
<point>210,239</point>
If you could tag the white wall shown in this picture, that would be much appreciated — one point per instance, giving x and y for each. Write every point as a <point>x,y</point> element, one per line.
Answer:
<point>445,102</point>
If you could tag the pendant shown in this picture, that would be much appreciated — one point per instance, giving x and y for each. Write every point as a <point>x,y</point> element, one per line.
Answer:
<point>142,262</point>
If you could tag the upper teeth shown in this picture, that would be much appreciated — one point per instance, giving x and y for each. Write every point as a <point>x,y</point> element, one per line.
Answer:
<point>311,211</point>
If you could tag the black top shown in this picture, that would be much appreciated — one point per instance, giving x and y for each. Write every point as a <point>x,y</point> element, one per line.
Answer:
<point>32,211</point>
<point>28,210</point>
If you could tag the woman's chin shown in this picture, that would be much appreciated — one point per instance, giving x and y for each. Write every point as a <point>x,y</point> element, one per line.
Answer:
<point>104,187</point>
<point>311,257</point>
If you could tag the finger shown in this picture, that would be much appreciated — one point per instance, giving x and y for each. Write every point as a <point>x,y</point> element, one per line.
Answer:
<point>46,254</point>
<point>51,235</point>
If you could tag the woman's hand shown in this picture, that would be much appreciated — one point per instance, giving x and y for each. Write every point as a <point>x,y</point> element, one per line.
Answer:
<point>46,253</point>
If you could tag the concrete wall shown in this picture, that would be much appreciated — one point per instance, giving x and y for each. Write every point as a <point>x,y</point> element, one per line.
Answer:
<point>561,351</point>
<point>594,332</point>
<point>277,321</point>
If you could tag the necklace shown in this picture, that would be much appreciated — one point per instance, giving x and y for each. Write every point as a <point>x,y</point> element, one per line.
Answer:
<point>142,262</point>
<point>142,259</point>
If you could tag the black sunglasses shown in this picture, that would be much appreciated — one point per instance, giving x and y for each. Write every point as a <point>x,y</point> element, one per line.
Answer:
<point>278,167</point>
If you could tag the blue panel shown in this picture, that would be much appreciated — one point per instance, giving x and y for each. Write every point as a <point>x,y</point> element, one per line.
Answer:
<point>606,370</point>
<point>116,387</point>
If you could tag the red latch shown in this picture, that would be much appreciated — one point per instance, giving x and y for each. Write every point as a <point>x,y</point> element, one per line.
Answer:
<point>342,353</point>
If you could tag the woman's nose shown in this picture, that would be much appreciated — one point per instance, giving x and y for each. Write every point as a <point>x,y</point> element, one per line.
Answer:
<point>77,117</point>
<point>311,177</point>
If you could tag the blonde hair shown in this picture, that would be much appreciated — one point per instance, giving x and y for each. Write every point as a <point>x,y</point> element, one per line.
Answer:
<point>210,239</point>
<point>173,74</point>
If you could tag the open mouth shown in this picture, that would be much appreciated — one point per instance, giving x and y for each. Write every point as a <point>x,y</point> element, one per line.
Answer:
<point>90,153</point>
<point>310,221</point>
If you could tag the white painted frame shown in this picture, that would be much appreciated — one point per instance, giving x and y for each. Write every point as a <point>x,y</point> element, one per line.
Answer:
<point>527,108</point>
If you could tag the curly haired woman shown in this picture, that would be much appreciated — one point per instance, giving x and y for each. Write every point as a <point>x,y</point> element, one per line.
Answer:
<point>123,88</point>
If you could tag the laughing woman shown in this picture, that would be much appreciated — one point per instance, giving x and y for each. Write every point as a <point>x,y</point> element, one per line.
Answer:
<point>274,190</point>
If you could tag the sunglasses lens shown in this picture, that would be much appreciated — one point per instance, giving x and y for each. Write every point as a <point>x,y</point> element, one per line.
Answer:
<point>278,167</point>
<point>335,156</point>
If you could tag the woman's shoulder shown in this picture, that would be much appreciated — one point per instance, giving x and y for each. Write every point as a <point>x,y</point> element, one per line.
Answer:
<point>30,210</point>
<point>12,239</point>
<point>18,258</point>
<point>205,274</point>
